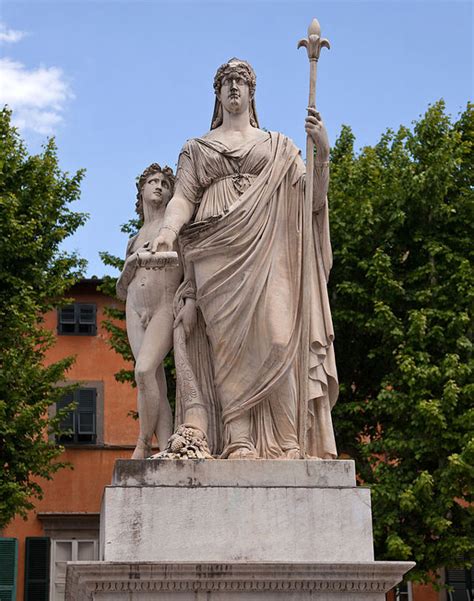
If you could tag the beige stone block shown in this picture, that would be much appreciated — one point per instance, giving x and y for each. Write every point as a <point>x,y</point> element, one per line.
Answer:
<point>309,473</point>
<point>239,510</point>
<point>234,581</point>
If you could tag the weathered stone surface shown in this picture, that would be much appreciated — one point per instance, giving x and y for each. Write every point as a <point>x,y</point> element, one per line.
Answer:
<point>310,473</point>
<point>232,581</point>
<point>239,510</point>
<point>235,531</point>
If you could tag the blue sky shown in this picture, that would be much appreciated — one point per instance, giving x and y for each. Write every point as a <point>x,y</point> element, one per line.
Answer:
<point>122,84</point>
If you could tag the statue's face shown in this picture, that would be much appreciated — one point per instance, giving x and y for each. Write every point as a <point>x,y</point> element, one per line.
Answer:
<point>156,190</point>
<point>234,93</point>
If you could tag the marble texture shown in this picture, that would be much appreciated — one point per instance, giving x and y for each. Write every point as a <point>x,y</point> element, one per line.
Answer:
<point>253,335</point>
<point>270,473</point>
<point>232,581</point>
<point>221,511</point>
<point>200,530</point>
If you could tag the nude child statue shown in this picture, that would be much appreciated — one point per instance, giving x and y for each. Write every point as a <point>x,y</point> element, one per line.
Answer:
<point>149,292</point>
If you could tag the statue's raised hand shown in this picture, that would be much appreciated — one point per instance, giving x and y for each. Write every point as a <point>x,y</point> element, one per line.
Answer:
<point>315,128</point>
<point>164,241</point>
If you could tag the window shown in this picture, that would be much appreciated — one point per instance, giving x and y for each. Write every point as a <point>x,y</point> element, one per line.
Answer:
<point>72,536</point>
<point>79,425</point>
<point>8,561</point>
<point>63,551</point>
<point>78,319</point>
<point>403,592</point>
<point>461,581</point>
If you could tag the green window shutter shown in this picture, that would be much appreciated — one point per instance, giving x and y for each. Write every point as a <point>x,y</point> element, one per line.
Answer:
<point>66,319</point>
<point>460,582</point>
<point>86,410</point>
<point>37,568</point>
<point>87,318</point>
<point>87,314</point>
<point>8,571</point>
<point>78,319</point>
<point>67,423</point>
<point>67,314</point>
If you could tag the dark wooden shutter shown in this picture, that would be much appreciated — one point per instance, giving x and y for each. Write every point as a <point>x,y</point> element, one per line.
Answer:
<point>86,313</point>
<point>471,580</point>
<point>87,318</point>
<point>67,422</point>
<point>77,319</point>
<point>67,314</point>
<point>86,413</point>
<point>37,568</point>
<point>460,581</point>
<point>8,570</point>
<point>66,319</point>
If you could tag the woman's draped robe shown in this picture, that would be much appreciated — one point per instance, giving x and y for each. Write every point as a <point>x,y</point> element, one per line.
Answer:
<point>264,338</point>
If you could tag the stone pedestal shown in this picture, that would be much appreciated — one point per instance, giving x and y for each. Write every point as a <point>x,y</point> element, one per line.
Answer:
<point>231,530</point>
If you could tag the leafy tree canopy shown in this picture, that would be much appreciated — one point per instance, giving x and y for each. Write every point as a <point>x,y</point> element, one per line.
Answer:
<point>34,275</point>
<point>402,292</point>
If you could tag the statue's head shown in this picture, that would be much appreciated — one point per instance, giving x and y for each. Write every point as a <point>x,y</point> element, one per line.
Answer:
<point>237,73</point>
<point>155,185</point>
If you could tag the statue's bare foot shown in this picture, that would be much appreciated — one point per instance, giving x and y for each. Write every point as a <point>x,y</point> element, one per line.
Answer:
<point>243,453</point>
<point>142,450</point>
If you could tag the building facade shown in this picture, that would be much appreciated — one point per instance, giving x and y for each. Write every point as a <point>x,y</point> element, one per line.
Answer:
<point>65,523</point>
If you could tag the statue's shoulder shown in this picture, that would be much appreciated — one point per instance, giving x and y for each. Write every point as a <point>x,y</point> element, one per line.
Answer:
<point>130,244</point>
<point>193,144</point>
<point>285,141</point>
<point>290,143</point>
<point>187,145</point>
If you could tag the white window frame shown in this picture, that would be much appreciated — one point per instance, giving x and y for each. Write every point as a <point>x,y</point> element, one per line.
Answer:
<point>74,557</point>
<point>404,598</point>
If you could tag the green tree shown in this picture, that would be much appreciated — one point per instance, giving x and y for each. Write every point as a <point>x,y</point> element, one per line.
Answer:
<point>114,323</point>
<point>402,292</point>
<point>34,276</point>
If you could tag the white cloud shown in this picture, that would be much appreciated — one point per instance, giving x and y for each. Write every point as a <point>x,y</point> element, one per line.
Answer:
<point>36,96</point>
<point>42,122</point>
<point>10,36</point>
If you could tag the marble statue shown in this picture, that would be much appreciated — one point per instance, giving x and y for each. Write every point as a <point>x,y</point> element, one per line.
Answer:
<point>148,284</point>
<point>244,241</point>
<point>256,373</point>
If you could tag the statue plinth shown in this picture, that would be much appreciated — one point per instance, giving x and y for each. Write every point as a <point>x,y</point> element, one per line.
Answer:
<point>267,510</point>
<point>231,530</point>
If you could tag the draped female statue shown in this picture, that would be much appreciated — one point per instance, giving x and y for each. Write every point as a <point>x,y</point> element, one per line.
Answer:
<point>253,339</point>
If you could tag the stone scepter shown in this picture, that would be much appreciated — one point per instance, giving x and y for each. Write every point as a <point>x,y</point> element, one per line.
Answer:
<point>313,45</point>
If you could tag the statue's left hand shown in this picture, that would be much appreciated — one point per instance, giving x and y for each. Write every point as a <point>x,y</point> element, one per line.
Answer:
<point>315,128</point>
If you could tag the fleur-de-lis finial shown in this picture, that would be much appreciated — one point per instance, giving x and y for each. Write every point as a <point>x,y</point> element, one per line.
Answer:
<point>314,42</point>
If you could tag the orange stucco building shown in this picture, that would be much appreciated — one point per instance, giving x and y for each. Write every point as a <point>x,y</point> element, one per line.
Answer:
<point>65,523</point>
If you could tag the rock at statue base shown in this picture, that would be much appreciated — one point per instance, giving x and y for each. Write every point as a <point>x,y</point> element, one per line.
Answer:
<point>222,530</point>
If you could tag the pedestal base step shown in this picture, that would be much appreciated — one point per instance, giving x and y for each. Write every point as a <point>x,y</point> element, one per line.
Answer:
<point>234,581</point>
